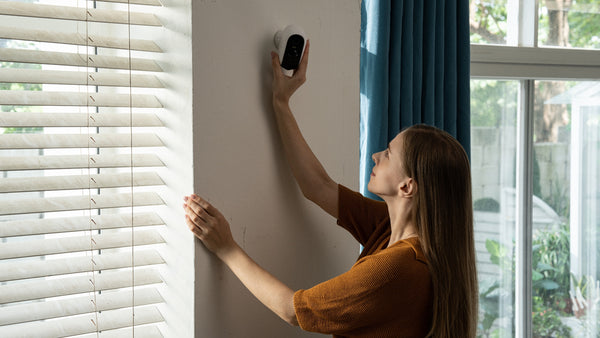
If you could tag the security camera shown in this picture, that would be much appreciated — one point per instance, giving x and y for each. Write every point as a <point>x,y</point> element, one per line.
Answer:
<point>290,43</point>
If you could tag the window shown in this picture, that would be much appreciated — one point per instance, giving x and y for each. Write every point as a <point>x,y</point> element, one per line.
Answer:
<point>86,174</point>
<point>535,160</point>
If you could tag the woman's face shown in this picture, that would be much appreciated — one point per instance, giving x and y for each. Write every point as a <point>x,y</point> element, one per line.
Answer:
<point>388,175</point>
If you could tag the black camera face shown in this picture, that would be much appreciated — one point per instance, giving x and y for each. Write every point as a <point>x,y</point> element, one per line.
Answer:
<point>293,52</point>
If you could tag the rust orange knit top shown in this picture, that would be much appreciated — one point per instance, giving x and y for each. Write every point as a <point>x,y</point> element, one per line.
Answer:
<point>386,293</point>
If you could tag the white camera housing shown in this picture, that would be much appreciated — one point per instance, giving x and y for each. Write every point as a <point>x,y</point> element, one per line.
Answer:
<point>290,43</point>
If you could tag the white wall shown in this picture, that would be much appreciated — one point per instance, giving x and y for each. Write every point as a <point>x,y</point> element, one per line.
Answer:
<point>238,160</point>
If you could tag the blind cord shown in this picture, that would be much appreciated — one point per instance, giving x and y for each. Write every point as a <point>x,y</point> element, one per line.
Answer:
<point>89,169</point>
<point>131,170</point>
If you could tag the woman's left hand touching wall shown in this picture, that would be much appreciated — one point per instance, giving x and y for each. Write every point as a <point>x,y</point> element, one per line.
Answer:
<point>208,224</point>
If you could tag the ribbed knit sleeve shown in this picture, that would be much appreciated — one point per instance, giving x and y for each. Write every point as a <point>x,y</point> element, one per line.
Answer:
<point>360,215</point>
<point>387,294</point>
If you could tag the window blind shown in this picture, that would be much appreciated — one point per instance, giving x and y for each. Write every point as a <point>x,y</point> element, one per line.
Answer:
<point>80,184</point>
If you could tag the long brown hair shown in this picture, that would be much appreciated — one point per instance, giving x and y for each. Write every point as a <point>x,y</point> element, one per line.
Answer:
<point>443,215</point>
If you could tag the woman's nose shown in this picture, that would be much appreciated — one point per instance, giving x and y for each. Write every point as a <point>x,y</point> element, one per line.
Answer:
<point>374,157</point>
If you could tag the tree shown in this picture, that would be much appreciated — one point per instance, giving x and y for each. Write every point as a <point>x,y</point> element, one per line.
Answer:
<point>549,117</point>
<point>562,23</point>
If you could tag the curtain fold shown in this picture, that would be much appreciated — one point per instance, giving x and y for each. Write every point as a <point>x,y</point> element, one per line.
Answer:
<point>414,69</point>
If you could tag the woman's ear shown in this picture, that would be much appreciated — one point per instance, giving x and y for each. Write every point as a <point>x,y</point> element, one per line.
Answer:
<point>408,188</point>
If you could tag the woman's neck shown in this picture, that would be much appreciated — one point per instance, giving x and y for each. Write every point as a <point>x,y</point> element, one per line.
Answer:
<point>401,221</point>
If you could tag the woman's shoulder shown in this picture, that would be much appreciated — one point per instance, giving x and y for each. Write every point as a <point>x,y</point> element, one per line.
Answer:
<point>400,255</point>
<point>411,246</point>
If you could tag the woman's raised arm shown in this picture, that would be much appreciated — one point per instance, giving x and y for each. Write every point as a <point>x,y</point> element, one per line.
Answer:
<point>315,183</point>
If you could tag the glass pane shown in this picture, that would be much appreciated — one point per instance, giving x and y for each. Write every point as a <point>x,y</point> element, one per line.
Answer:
<point>566,204</point>
<point>493,166</point>
<point>487,19</point>
<point>568,23</point>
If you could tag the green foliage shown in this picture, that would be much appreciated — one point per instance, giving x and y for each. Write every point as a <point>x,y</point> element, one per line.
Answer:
<point>493,103</point>
<point>26,130</point>
<point>491,21</point>
<point>486,204</point>
<point>552,268</point>
<point>546,322</point>
<point>584,24</point>
<point>489,303</point>
<point>490,291</point>
<point>550,283</point>
<point>19,86</point>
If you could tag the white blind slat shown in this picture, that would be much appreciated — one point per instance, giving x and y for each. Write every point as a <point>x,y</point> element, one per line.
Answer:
<point>78,244</point>
<point>41,98</point>
<point>136,2</point>
<point>75,59</point>
<point>30,227</point>
<point>71,182</point>
<point>15,270</point>
<point>107,320</point>
<point>74,13</point>
<point>77,39</point>
<point>19,75</point>
<point>54,204</point>
<point>107,280</point>
<point>49,141</point>
<point>29,119</point>
<point>22,313</point>
<point>78,161</point>
<point>143,331</point>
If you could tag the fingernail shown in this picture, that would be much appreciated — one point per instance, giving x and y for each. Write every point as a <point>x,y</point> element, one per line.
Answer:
<point>185,198</point>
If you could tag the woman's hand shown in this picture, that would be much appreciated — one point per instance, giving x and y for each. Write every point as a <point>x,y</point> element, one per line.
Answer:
<point>208,224</point>
<point>284,86</point>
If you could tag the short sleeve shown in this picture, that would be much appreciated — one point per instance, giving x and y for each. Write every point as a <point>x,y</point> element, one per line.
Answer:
<point>360,215</point>
<point>378,288</point>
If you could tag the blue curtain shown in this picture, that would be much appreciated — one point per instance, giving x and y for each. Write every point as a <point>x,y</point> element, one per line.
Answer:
<point>414,68</point>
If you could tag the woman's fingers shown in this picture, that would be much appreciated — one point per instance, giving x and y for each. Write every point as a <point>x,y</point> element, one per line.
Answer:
<point>204,204</point>
<point>200,221</point>
<point>304,62</point>
<point>300,72</point>
<point>196,230</point>
<point>275,64</point>
<point>200,207</point>
<point>196,210</point>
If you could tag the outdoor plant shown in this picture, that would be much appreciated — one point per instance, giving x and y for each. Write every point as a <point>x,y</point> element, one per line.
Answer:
<point>546,321</point>
<point>551,282</point>
<point>491,292</point>
<point>586,307</point>
<point>552,269</point>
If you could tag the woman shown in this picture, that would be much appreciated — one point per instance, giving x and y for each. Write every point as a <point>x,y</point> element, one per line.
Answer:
<point>416,276</point>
